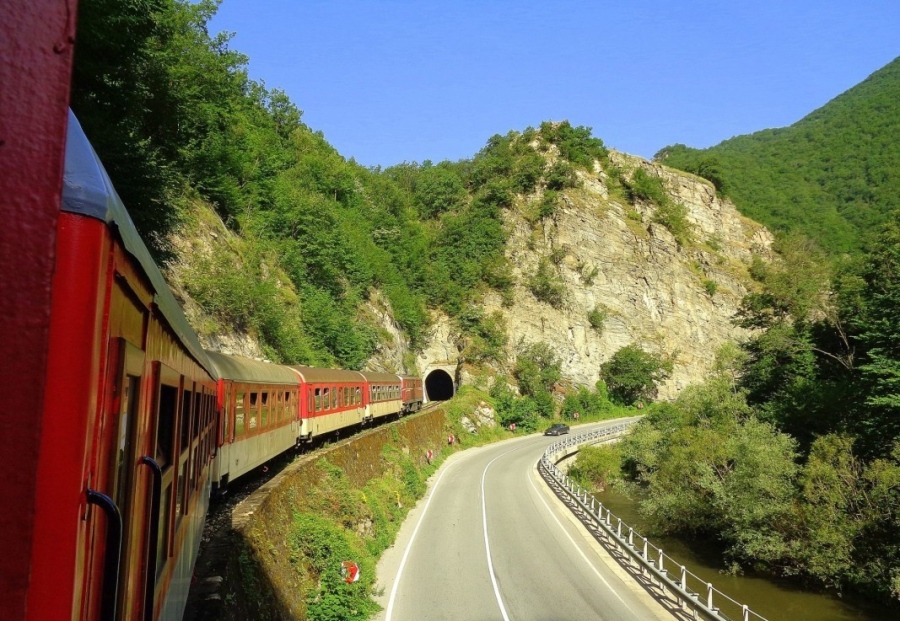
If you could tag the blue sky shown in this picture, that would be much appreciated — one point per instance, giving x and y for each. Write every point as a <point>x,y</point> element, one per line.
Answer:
<point>389,81</point>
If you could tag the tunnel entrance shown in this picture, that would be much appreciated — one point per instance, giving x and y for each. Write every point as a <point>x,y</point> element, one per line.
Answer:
<point>439,385</point>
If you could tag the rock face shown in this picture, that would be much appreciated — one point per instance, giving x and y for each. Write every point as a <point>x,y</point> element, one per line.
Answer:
<point>614,263</point>
<point>612,258</point>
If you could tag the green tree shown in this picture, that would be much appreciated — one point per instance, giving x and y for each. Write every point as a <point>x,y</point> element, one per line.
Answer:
<point>878,326</point>
<point>632,374</point>
<point>537,369</point>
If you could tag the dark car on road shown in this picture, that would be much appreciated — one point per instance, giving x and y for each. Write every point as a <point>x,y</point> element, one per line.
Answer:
<point>557,429</point>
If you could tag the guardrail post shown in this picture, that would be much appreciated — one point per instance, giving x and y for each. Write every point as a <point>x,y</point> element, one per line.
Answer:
<point>709,595</point>
<point>619,529</point>
<point>746,610</point>
<point>631,536</point>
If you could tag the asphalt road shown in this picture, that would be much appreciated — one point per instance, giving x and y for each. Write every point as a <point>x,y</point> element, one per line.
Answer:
<point>490,542</point>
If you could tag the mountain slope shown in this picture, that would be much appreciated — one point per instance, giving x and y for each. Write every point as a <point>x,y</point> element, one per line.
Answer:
<point>833,176</point>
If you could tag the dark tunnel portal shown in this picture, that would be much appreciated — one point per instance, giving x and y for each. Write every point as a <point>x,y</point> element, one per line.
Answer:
<point>439,385</point>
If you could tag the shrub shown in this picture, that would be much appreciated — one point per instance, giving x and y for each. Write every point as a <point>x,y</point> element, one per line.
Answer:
<point>561,175</point>
<point>597,317</point>
<point>632,374</point>
<point>548,204</point>
<point>710,286</point>
<point>673,216</point>
<point>645,187</point>
<point>537,369</point>
<point>546,285</point>
<point>596,466</point>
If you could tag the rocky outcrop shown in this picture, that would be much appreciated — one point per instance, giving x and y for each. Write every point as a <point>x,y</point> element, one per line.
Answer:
<point>613,260</point>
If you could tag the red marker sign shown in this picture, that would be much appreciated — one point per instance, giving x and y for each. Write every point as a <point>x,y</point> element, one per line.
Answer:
<point>350,572</point>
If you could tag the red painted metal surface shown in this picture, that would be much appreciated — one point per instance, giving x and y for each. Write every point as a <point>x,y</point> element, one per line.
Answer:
<point>35,66</point>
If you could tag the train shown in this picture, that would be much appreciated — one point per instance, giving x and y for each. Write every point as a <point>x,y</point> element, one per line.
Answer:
<point>143,426</point>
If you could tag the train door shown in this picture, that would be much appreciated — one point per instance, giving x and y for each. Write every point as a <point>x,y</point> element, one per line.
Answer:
<point>114,482</point>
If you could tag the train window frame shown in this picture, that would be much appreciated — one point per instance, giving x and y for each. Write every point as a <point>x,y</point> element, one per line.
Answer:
<point>253,423</point>
<point>264,409</point>
<point>240,410</point>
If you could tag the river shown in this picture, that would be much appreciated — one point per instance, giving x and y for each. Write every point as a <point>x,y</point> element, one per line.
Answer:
<point>774,599</point>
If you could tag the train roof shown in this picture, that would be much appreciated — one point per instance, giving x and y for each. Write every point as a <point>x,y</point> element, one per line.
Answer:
<point>240,369</point>
<point>376,376</point>
<point>313,374</point>
<point>87,190</point>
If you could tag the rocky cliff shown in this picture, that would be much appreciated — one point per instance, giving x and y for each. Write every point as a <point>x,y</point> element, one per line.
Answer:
<point>624,278</point>
<point>617,274</point>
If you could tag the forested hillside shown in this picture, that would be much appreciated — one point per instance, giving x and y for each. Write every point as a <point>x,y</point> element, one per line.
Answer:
<point>176,120</point>
<point>833,176</point>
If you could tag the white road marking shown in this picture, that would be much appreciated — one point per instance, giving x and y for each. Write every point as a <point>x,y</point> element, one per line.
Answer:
<point>390,606</point>
<point>577,547</point>
<point>487,545</point>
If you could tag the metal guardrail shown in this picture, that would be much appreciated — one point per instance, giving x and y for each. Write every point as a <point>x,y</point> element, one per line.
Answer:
<point>683,587</point>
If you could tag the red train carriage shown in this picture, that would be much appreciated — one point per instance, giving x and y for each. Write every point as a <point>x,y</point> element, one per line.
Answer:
<point>384,396</point>
<point>123,474</point>
<point>330,399</point>
<point>259,414</point>
<point>411,391</point>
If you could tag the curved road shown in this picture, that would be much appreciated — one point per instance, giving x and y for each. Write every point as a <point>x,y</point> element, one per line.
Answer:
<point>490,542</point>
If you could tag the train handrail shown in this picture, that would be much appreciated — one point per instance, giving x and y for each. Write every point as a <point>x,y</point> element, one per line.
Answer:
<point>155,502</point>
<point>113,554</point>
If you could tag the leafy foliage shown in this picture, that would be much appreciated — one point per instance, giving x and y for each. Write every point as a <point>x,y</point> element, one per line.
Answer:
<point>597,316</point>
<point>833,176</point>
<point>546,285</point>
<point>632,374</point>
<point>537,369</point>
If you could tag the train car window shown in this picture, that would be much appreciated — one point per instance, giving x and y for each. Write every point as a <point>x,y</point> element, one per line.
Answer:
<point>288,402</point>
<point>239,413</point>
<point>187,400</point>
<point>264,410</point>
<point>318,399</point>
<point>167,406</point>
<point>311,405</point>
<point>198,415</point>
<point>226,416</point>
<point>334,398</point>
<point>254,410</point>
<point>165,519</point>
<point>358,395</point>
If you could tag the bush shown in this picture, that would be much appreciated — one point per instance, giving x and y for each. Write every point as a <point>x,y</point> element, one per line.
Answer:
<point>546,285</point>
<point>587,403</point>
<point>710,286</point>
<point>596,466</point>
<point>673,216</point>
<point>537,369</point>
<point>632,374</point>
<point>645,187</point>
<point>597,316</point>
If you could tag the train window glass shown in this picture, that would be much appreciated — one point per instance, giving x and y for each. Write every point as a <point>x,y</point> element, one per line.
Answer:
<point>186,401</point>
<point>124,443</point>
<point>226,415</point>
<point>311,406</point>
<point>181,506</point>
<point>334,398</point>
<point>287,405</point>
<point>162,546</point>
<point>318,399</point>
<point>264,409</point>
<point>358,395</point>
<point>165,424</point>
<point>254,410</point>
<point>198,416</point>
<point>239,413</point>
